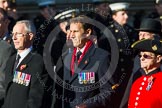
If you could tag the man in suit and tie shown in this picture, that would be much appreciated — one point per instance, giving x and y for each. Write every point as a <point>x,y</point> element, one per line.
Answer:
<point>25,78</point>
<point>83,85</point>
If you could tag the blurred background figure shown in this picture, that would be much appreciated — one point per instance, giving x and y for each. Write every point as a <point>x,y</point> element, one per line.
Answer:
<point>149,28</point>
<point>4,28</point>
<point>158,7</point>
<point>101,13</point>
<point>102,8</point>
<point>125,35</point>
<point>4,4</point>
<point>47,11</point>
<point>5,50</point>
<point>12,10</point>
<point>12,14</point>
<point>44,23</point>
<point>157,12</point>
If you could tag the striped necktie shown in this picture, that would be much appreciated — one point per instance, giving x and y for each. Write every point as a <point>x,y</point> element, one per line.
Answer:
<point>17,61</point>
<point>79,53</point>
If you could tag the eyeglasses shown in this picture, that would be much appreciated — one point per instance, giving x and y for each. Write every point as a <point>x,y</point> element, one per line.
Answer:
<point>18,34</point>
<point>145,56</point>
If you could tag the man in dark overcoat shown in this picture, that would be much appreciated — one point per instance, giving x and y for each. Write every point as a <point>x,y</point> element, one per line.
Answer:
<point>25,75</point>
<point>85,78</point>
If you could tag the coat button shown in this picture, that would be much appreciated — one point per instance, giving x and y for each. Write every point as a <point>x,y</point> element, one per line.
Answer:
<point>121,59</point>
<point>116,30</point>
<point>138,93</point>
<point>142,83</point>
<point>119,40</point>
<point>112,25</point>
<point>144,78</point>
<point>137,98</point>
<point>140,88</point>
<point>120,50</point>
<point>136,103</point>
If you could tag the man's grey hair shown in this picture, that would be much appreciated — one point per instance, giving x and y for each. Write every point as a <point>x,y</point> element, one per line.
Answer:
<point>29,26</point>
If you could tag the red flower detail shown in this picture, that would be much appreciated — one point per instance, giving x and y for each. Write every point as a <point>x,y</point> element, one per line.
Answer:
<point>23,67</point>
<point>150,79</point>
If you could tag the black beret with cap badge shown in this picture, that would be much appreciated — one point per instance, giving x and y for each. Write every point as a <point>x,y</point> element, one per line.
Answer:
<point>150,45</point>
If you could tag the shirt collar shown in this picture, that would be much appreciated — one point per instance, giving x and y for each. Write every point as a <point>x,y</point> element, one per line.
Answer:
<point>24,54</point>
<point>150,73</point>
<point>82,49</point>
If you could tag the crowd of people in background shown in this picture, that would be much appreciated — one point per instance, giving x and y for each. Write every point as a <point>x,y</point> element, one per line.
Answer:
<point>98,59</point>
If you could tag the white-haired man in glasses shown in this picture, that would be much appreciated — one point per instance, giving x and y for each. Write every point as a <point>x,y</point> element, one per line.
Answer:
<point>25,72</point>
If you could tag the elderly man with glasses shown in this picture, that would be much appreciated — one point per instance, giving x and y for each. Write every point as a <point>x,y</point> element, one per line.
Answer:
<point>25,75</point>
<point>149,29</point>
<point>146,91</point>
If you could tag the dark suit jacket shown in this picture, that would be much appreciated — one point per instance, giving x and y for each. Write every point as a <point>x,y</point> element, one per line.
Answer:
<point>5,52</point>
<point>19,95</point>
<point>95,60</point>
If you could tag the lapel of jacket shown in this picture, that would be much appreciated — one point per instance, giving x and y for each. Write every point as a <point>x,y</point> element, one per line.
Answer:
<point>9,71</point>
<point>13,58</point>
<point>83,63</point>
<point>67,63</point>
<point>24,62</point>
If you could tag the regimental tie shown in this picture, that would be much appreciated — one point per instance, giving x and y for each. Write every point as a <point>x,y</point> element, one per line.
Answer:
<point>17,61</point>
<point>79,53</point>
